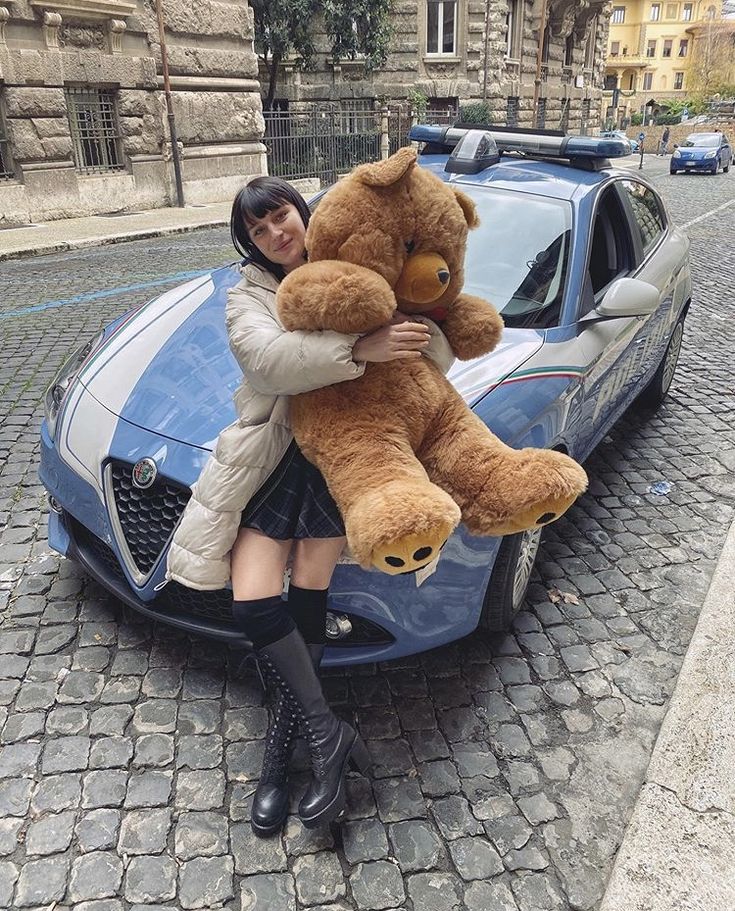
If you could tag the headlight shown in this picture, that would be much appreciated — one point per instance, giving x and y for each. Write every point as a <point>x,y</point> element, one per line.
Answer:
<point>677,154</point>
<point>64,378</point>
<point>711,154</point>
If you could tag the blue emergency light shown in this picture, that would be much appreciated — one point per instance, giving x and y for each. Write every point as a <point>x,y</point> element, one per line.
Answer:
<point>468,142</point>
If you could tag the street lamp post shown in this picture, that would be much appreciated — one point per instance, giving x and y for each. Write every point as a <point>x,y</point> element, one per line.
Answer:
<point>170,108</point>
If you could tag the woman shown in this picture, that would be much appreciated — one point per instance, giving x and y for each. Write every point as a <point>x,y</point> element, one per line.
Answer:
<point>258,500</point>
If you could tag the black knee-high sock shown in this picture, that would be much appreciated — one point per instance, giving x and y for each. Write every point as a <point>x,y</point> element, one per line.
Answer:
<point>308,607</point>
<point>264,620</point>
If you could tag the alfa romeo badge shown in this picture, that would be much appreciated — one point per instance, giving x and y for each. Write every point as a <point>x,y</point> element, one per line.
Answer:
<point>144,473</point>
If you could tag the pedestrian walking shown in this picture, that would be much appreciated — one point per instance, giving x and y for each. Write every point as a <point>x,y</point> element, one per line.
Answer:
<point>259,502</point>
<point>663,147</point>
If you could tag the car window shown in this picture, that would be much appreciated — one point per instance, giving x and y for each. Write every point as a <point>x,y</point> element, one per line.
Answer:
<point>517,259</point>
<point>649,216</point>
<point>706,140</point>
<point>611,252</point>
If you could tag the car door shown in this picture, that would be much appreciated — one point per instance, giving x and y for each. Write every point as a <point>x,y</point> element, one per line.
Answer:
<point>612,350</point>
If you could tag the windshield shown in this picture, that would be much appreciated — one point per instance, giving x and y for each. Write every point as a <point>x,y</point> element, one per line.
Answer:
<point>708,140</point>
<point>517,259</point>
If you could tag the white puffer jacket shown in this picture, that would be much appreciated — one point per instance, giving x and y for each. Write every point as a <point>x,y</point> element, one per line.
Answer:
<point>275,364</point>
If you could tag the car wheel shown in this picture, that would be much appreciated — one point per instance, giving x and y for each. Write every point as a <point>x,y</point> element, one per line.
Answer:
<point>655,392</point>
<point>726,169</point>
<point>508,584</point>
<point>673,171</point>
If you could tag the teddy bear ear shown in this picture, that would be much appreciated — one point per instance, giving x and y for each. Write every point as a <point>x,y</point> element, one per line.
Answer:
<point>468,207</point>
<point>385,173</point>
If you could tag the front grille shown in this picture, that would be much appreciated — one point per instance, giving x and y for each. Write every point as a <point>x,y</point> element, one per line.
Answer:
<point>214,605</point>
<point>147,517</point>
<point>94,550</point>
<point>174,599</point>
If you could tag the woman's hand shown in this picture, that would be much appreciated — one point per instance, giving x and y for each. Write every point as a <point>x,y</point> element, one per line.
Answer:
<point>393,342</point>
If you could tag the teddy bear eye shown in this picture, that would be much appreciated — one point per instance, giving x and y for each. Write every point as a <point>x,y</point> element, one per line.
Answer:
<point>410,244</point>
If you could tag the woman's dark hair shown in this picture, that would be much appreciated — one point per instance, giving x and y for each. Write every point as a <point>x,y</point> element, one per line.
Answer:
<point>260,196</point>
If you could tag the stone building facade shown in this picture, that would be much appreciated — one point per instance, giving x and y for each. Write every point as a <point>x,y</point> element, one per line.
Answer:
<point>83,125</point>
<point>458,51</point>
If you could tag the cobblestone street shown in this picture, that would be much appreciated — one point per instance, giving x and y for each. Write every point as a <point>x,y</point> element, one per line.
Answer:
<point>506,768</point>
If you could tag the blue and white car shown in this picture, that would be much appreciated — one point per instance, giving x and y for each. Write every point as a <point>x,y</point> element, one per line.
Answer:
<point>621,134</point>
<point>593,282</point>
<point>706,152</point>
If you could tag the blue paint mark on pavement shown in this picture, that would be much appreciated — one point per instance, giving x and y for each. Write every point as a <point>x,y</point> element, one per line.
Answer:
<point>100,295</point>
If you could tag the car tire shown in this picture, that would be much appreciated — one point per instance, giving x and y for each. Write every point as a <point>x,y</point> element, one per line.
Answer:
<point>673,171</point>
<point>506,590</point>
<point>656,391</point>
<point>726,169</point>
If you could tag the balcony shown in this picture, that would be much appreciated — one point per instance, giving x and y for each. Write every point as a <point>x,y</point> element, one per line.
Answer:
<point>628,61</point>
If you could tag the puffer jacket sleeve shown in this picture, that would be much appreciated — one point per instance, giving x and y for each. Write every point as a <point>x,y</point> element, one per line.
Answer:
<point>277,362</point>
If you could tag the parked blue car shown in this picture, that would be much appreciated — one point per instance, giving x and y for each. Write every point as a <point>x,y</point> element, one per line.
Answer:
<point>706,152</point>
<point>593,282</point>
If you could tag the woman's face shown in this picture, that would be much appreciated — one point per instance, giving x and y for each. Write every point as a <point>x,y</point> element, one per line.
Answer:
<point>279,236</point>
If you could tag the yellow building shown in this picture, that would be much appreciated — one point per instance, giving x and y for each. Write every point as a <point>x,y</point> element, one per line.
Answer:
<point>649,49</point>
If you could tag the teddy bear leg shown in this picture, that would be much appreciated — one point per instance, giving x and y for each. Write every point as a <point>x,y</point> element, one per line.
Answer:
<point>395,518</point>
<point>500,490</point>
<point>401,526</point>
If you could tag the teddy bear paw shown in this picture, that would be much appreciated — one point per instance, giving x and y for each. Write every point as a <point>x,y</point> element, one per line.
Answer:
<point>410,553</point>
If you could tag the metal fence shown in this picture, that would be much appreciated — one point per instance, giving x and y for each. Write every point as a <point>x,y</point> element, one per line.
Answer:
<point>325,140</point>
<point>6,168</point>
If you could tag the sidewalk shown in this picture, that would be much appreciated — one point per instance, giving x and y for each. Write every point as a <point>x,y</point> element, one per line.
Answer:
<point>678,853</point>
<point>72,233</point>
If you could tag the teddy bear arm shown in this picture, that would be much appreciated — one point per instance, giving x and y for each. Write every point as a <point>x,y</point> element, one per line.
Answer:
<point>334,295</point>
<point>473,327</point>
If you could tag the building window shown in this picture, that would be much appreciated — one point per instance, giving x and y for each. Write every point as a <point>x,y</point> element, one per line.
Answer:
<point>94,130</point>
<point>513,25</point>
<point>687,14</point>
<point>668,44</point>
<point>683,47</point>
<point>6,164</point>
<point>569,50</point>
<point>618,15</point>
<point>678,80</point>
<point>511,111</point>
<point>441,27</point>
<point>655,12</point>
<point>711,12</point>
<point>647,81</point>
<point>672,10</point>
<point>651,49</point>
<point>614,48</point>
<point>541,114</point>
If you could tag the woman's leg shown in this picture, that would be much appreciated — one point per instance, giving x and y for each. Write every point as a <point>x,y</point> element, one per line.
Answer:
<point>258,565</point>
<point>314,561</point>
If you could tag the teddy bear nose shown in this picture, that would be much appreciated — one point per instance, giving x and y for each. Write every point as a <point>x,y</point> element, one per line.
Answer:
<point>443,276</point>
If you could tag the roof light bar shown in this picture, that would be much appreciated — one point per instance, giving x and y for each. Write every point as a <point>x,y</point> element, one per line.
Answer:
<point>474,152</point>
<point>547,144</point>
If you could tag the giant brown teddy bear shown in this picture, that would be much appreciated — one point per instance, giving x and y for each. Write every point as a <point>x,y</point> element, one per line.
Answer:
<point>404,457</point>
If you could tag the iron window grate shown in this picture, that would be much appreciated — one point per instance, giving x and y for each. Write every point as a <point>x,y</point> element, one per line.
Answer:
<point>512,110</point>
<point>6,162</point>
<point>94,130</point>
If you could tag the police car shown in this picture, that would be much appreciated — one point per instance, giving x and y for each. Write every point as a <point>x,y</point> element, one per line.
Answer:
<point>593,282</point>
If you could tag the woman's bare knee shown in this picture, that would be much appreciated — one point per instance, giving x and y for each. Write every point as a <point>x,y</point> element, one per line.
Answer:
<point>314,561</point>
<point>257,565</point>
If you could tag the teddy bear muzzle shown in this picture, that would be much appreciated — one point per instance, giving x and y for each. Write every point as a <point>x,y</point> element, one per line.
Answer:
<point>424,278</point>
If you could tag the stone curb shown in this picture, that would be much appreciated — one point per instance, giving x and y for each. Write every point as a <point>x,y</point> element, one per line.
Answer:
<point>62,246</point>
<point>678,853</point>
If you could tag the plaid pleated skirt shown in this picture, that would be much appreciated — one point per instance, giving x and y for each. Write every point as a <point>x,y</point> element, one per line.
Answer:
<point>294,502</point>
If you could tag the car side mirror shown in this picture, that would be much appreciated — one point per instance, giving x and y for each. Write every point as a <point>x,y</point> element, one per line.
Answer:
<point>624,298</point>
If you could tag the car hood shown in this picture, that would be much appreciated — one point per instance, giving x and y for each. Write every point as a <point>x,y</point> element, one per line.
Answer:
<point>168,368</point>
<point>695,153</point>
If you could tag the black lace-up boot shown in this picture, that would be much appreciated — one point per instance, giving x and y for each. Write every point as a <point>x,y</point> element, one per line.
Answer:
<point>333,744</point>
<point>270,802</point>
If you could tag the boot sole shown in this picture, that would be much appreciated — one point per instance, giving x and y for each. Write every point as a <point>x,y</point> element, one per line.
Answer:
<point>358,758</point>
<point>266,831</point>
